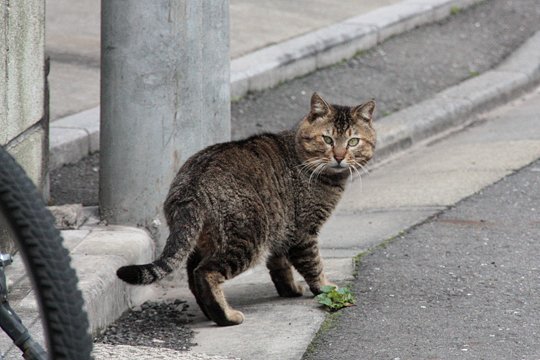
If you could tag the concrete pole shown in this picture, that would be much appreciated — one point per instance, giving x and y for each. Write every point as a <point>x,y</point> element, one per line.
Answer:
<point>164,96</point>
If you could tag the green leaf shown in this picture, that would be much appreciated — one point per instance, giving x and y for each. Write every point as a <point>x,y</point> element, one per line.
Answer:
<point>343,291</point>
<point>334,298</point>
<point>326,302</point>
<point>327,288</point>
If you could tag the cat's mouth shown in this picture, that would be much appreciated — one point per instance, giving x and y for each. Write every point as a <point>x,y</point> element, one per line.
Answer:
<point>338,167</point>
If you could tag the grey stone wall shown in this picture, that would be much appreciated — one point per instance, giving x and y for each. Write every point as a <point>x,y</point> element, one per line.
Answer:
<point>22,86</point>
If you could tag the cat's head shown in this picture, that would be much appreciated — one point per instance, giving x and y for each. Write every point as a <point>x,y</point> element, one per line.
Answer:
<point>334,138</point>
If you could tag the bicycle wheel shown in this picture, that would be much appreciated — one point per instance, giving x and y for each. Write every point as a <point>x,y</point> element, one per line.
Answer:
<point>65,324</point>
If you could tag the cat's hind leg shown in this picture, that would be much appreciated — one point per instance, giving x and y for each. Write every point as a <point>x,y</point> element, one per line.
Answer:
<point>234,257</point>
<point>282,276</point>
<point>305,258</point>
<point>207,279</point>
<point>228,250</point>
<point>193,261</point>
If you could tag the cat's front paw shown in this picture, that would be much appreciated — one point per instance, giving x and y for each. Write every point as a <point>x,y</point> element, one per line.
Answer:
<point>316,288</point>
<point>233,317</point>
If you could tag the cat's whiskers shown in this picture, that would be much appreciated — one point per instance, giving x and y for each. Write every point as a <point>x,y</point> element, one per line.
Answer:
<point>356,163</point>
<point>309,165</point>
<point>309,161</point>
<point>314,172</point>
<point>315,158</point>
<point>321,170</point>
<point>358,172</point>
<point>359,175</point>
<point>303,167</point>
<point>364,169</point>
<point>305,164</point>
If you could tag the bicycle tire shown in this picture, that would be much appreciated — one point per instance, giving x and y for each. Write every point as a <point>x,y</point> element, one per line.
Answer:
<point>65,323</point>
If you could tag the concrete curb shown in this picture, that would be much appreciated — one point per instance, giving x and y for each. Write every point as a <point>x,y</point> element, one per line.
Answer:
<point>452,106</point>
<point>301,55</point>
<point>73,137</point>
<point>76,136</point>
<point>96,255</point>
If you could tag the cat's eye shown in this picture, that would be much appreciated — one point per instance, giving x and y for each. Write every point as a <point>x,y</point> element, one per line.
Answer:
<point>328,139</point>
<point>353,142</point>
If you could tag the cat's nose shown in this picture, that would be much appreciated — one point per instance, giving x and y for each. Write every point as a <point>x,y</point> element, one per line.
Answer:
<point>338,158</point>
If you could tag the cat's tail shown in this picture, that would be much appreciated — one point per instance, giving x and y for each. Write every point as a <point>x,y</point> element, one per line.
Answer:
<point>185,224</point>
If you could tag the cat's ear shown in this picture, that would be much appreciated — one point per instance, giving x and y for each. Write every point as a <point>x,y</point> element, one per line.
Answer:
<point>319,107</point>
<point>364,111</point>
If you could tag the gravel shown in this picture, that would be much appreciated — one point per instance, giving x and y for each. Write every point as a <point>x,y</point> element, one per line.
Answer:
<point>153,324</point>
<point>125,352</point>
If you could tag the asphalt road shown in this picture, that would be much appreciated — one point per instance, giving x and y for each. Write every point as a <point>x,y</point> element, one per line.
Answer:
<point>465,284</point>
<point>402,71</point>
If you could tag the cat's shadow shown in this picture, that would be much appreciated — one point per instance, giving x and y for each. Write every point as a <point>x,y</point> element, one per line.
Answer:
<point>251,299</point>
<point>251,292</point>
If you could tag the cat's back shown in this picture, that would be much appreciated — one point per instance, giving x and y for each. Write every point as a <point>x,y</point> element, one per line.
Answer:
<point>259,163</point>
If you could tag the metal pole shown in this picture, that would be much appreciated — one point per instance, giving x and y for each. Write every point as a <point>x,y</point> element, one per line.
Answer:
<point>164,96</point>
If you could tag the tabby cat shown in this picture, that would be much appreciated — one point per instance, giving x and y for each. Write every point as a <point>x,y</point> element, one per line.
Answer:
<point>268,195</point>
